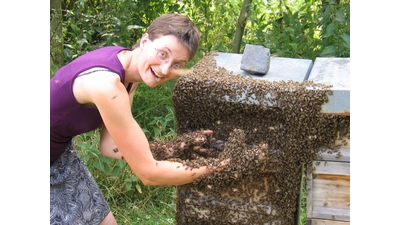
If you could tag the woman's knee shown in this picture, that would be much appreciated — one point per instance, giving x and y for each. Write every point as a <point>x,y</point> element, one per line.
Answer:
<point>109,220</point>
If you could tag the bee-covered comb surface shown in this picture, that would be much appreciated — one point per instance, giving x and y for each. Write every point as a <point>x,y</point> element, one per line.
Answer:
<point>268,130</point>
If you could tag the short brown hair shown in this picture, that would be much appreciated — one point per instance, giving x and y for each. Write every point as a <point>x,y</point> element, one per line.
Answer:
<point>177,25</point>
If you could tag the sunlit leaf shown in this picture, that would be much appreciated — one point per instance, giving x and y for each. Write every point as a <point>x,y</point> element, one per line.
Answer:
<point>138,188</point>
<point>131,27</point>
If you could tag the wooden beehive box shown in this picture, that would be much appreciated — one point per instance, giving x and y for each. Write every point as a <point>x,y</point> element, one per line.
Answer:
<point>328,188</point>
<point>328,179</point>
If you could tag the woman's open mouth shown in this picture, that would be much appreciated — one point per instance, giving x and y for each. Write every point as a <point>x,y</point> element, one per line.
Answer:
<point>158,77</point>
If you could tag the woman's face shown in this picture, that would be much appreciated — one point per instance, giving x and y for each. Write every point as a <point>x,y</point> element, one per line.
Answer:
<point>161,59</point>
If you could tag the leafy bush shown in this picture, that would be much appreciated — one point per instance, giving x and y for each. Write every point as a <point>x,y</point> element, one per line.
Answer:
<point>301,29</point>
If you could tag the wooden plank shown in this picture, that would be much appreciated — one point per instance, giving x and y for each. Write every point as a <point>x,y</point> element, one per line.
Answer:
<point>346,144</point>
<point>333,168</point>
<point>331,213</point>
<point>331,194</point>
<point>309,199</point>
<point>327,222</point>
<point>328,190</point>
<point>343,155</point>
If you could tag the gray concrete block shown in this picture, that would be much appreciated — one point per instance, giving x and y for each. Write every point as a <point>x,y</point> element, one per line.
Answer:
<point>256,59</point>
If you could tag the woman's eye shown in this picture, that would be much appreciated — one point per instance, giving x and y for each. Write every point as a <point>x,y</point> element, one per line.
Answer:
<point>178,65</point>
<point>162,54</point>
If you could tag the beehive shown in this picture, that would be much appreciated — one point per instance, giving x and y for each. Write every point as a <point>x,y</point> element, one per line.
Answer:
<point>328,177</point>
<point>328,185</point>
<point>280,119</point>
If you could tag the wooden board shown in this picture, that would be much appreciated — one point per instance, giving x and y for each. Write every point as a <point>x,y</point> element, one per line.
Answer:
<point>342,155</point>
<point>328,191</point>
<point>326,222</point>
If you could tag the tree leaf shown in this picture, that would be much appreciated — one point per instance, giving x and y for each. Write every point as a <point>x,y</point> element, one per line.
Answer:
<point>131,27</point>
<point>328,51</point>
<point>128,186</point>
<point>340,16</point>
<point>346,40</point>
<point>330,30</point>
<point>99,165</point>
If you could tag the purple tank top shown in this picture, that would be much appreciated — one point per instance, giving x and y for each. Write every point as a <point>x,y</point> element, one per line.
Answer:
<point>68,118</point>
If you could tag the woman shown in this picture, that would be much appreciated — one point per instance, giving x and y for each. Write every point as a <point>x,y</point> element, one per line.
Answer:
<point>96,90</point>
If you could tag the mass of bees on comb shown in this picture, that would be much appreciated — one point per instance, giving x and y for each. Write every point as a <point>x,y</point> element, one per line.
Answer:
<point>268,130</point>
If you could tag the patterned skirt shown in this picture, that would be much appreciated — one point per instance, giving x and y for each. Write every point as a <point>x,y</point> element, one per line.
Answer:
<point>75,197</point>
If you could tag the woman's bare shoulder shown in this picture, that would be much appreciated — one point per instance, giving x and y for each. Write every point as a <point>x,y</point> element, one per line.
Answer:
<point>96,84</point>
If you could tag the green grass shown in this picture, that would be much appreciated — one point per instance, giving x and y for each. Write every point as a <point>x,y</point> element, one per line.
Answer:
<point>303,200</point>
<point>156,205</point>
<point>131,202</point>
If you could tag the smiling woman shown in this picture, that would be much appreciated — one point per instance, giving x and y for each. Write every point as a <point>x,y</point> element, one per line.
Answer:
<point>164,61</point>
<point>96,91</point>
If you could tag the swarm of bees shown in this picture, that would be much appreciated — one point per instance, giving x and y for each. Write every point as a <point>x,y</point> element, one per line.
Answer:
<point>268,130</point>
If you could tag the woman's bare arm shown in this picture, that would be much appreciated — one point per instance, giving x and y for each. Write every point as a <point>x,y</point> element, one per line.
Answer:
<point>113,102</point>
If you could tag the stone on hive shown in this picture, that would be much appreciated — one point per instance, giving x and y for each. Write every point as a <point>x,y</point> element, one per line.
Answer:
<point>256,59</point>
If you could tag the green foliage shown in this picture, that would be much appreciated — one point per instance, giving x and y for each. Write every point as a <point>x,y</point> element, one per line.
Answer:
<point>297,28</point>
<point>301,28</point>
<point>153,109</point>
<point>106,170</point>
<point>335,21</point>
<point>216,22</point>
<point>92,24</point>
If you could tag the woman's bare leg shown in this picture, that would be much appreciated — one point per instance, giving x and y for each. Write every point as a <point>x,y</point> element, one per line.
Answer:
<point>109,220</point>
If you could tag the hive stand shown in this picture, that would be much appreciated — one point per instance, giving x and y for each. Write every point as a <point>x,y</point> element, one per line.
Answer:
<point>328,179</point>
